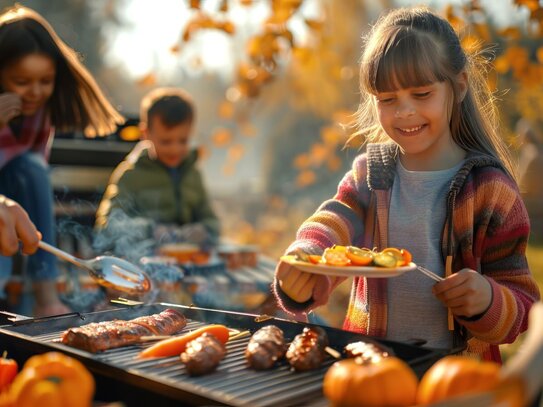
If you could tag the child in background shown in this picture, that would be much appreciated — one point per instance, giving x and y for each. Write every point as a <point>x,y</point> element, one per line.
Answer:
<point>158,184</point>
<point>437,181</point>
<point>44,87</point>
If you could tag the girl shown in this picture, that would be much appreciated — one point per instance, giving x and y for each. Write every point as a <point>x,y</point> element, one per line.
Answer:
<point>43,87</point>
<point>438,182</point>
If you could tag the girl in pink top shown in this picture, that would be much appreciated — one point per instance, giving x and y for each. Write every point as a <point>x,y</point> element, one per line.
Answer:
<point>43,87</point>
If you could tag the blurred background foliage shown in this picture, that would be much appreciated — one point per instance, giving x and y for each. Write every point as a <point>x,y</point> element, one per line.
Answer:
<point>275,84</point>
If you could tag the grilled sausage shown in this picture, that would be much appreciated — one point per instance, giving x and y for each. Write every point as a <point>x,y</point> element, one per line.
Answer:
<point>266,346</point>
<point>366,351</point>
<point>203,354</point>
<point>100,336</point>
<point>306,351</point>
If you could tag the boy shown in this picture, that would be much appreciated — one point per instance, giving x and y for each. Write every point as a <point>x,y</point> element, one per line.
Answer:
<point>158,184</point>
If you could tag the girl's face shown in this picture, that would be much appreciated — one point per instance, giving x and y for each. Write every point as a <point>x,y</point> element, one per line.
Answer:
<point>32,78</point>
<point>417,119</point>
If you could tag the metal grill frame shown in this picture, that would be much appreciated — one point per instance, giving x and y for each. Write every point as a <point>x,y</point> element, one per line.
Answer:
<point>120,377</point>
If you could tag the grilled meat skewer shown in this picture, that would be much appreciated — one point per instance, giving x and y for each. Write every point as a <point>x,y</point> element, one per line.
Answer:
<point>203,354</point>
<point>366,351</point>
<point>266,346</point>
<point>306,351</point>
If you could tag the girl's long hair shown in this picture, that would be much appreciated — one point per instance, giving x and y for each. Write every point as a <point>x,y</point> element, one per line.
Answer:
<point>77,103</point>
<point>411,47</point>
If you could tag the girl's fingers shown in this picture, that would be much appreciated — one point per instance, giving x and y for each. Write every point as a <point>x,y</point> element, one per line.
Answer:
<point>449,283</point>
<point>300,282</point>
<point>296,284</point>
<point>452,293</point>
<point>306,292</point>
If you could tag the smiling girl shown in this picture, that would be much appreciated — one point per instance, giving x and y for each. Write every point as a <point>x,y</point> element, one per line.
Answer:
<point>437,180</point>
<point>43,88</point>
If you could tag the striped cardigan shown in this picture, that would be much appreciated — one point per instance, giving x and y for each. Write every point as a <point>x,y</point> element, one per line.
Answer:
<point>486,230</point>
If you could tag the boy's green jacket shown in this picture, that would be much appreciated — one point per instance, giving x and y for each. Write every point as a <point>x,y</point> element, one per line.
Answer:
<point>143,187</point>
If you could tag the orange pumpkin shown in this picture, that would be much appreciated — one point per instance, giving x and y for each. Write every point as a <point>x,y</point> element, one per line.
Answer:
<point>51,379</point>
<point>457,375</point>
<point>383,382</point>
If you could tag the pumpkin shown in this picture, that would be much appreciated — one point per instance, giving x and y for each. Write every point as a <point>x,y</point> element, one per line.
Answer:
<point>381,382</point>
<point>457,375</point>
<point>52,379</point>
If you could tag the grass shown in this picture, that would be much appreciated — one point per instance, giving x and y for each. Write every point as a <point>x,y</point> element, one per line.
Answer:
<point>535,259</point>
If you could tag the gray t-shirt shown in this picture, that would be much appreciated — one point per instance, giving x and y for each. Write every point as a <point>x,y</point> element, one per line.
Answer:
<point>416,219</point>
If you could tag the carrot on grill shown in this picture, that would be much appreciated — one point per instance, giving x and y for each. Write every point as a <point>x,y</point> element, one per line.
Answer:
<point>176,345</point>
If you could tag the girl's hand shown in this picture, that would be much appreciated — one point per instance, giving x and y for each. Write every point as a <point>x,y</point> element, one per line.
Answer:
<point>10,107</point>
<point>295,283</point>
<point>466,293</point>
<point>302,287</point>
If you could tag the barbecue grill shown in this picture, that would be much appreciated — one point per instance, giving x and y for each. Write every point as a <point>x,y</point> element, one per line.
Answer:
<point>165,382</point>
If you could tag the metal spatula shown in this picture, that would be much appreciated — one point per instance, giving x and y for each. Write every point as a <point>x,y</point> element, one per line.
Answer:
<point>108,271</point>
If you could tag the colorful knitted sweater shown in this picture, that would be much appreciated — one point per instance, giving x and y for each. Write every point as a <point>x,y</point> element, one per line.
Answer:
<point>486,229</point>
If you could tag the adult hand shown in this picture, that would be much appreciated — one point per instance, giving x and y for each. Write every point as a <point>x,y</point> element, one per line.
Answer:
<point>10,107</point>
<point>466,293</point>
<point>15,225</point>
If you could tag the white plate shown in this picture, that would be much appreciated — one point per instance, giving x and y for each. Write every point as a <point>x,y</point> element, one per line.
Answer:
<point>349,271</point>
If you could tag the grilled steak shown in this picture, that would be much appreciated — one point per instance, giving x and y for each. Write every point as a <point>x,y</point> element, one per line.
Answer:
<point>306,351</point>
<point>113,334</point>
<point>266,346</point>
<point>366,351</point>
<point>203,354</point>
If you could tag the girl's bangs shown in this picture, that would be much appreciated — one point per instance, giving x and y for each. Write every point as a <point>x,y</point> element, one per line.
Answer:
<point>409,59</point>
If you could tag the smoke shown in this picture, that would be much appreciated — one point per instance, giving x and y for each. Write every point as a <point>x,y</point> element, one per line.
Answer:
<point>123,236</point>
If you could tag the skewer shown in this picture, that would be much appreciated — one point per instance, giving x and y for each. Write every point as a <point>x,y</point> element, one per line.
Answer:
<point>332,352</point>
<point>152,338</point>
<point>429,273</point>
<point>124,301</point>
<point>242,334</point>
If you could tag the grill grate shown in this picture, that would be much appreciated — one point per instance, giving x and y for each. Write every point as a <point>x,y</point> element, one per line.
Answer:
<point>233,383</point>
<point>232,380</point>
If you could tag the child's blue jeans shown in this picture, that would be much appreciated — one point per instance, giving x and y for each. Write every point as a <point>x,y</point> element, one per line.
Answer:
<point>25,179</point>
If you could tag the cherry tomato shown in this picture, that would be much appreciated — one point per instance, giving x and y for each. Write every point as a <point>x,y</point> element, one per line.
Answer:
<point>407,257</point>
<point>315,258</point>
<point>359,257</point>
<point>335,257</point>
<point>396,253</point>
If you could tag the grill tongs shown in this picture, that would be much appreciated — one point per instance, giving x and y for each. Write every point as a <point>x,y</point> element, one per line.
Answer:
<point>108,271</point>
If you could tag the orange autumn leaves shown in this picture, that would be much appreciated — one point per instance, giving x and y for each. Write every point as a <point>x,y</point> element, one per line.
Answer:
<point>518,55</point>
<point>322,153</point>
<point>275,49</point>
